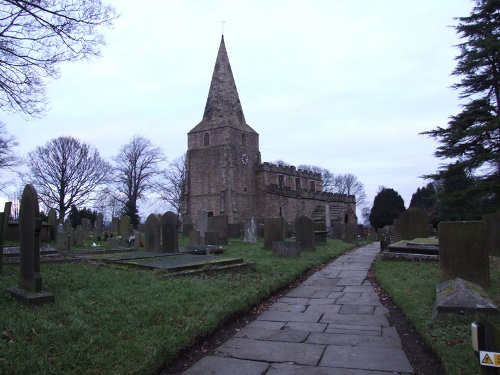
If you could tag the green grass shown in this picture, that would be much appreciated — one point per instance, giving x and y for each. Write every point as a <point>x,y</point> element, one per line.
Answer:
<point>124,321</point>
<point>411,285</point>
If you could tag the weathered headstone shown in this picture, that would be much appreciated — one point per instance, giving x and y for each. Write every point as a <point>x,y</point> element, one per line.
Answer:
<point>63,241</point>
<point>194,237</point>
<point>320,233</point>
<point>273,231</point>
<point>304,232</point>
<point>4,222</point>
<point>113,243</point>
<point>98,224</point>
<point>30,289</point>
<point>234,230</point>
<point>250,230</point>
<point>152,234</point>
<point>202,223</point>
<point>212,238</point>
<point>351,232</point>
<point>137,239</point>
<point>338,230</point>
<point>493,226</point>
<point>286,249</point>
<point>169,224</point>
<point>186,228</point>
<point>124,227</point>
<point>219,224</point>
<point>463,251</point>
<point>52,220</point>
<point>79,236</point>
<point>412,223</point>
<point>115,225</point>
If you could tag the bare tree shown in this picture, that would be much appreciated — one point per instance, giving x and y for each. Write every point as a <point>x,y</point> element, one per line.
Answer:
<point>350,185</point>
<point>136,166</point>
<point>171,185</point>
<point>35,36</point>
<point>8,158</point>
<point>326,175</point>
<point>66,172</point>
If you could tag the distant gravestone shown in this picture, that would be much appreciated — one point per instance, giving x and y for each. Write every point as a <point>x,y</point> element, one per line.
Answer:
<point>273,231</point>
<point>351,232</point>
<point>338,230</point>
<point>250,230</point>
<point>194,237</point>
<point>234,230</point>
<point>29,288</point>
<point>212,238</point>
<point>412,223</point>
<point>463,251</point>
<point>152,234</point>
<point>79,236</point>
<point>304,232</point>
<point>202,223</point>
<point>320,233</point>
<point>398,230</point>
<point>63,241</point>
<point>52,220</point>
<point>98,224</point>
<point>219,224</point>
<point>4,222</point>
<point>286,249</point>
<point>85,224</point>
<point>124,227</point>
<point>113,243</point>
<point>493,227</point>
<point>186,229</point>
<point>169,225</point>
<point>115,225</point>
<point>137,239</point>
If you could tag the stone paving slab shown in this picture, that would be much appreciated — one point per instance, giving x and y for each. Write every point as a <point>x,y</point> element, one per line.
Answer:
<point>354,340</point>
<point>286,335</point>
<point>285,369</point>
<point>226,366</point>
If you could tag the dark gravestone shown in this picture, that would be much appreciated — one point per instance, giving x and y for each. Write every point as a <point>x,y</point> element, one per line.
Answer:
<point>30,278</point>
<point>152,234</point>
<point>63,241</point>
<point>273,231</point>
<point>286,249</point>
<point>124,227</point>
<point>194,237</point>
<point>79,233</point>
<point>186,228</point>
<point>212,238</point>
<point>412,223</point>
<point>463,251</point>
<point>219,224</point>
<point>304,232</point>
<point>169,224</point>
<point>4,221</point>
<point>320,233</point>
<point>351,232</point>
<point>234,230</point>
<point>52,220</point>
<point>398,230</point>
<point>137,239</point>
<point>493,227</point>
<point>113,243</point>
<point>250,229</point>
<point>202,223</point>
<point>338,230</point>
<point>115,225</point>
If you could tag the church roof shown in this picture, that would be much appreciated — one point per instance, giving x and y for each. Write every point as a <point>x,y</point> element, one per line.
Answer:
<point>223,106</point>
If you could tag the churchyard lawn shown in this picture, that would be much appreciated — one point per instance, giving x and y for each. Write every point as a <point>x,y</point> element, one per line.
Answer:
<point>113,320</point>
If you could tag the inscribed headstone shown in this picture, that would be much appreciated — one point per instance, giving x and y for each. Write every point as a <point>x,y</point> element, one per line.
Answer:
<point>304,232</point>
<point>250,230</point>
<point>463,251</point>
<point>286,249</point>
<point>63,241</point>
<point>219,224</point>
<point>169,224</point>
<point>194,237</point>
<point>202,223</point>
<point>413,223</point>
<point>273,231</point>
<point>124,227</point>
<point>152,234</point>
<point>52,220</point>
<point>351,232</point>
<point>212,238</point>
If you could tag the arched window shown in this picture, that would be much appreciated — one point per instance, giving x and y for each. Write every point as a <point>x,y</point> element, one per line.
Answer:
<point>206,140</point>
<point>243,140</point>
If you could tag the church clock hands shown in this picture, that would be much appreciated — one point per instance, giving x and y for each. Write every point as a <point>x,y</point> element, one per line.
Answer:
<point>244,159</point>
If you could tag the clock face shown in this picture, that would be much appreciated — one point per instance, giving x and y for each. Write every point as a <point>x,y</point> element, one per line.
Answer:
<point>244,159</point>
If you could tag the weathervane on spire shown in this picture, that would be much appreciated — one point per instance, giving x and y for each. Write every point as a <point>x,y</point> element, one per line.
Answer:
<point>222,24</point>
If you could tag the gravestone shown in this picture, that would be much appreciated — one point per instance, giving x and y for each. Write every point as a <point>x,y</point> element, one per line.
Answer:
<point>493,227</point>
<point>234,230</point>
<point>63,241</point>
<point>338,230</point>
<point>30,290</point>
<point>186,229</point>
<point>286,249</point>
<point>194,237</point>
<point>412,223</point>
<point>152,234</point>
<point>115,225</point>
<point>79,236</point>
<point>124,227</point>
<point>113,243</point>
<point>98,224</point>
<point>250,229</point>
<point>4,222</point>
<point>273,231</point>
<point>463,251</point>
<point>320,233</point>
<point>52,220</point>
<point>202,223</point>
<point>137,239</point>
<point>169,224</point>
<point>304,232</point>
<point>219,224</point>
<point>351,232</point>
<point>212,238</point>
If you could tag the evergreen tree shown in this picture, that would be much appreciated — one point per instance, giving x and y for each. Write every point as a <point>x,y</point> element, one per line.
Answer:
<point>473,136</point>
<point>426,199</point>
<point>387,206</point>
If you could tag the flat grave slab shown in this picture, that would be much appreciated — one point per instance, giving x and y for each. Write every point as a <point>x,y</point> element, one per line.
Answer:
<point>202,249</point>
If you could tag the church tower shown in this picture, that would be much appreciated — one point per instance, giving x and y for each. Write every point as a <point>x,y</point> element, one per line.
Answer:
<point>223,151</point>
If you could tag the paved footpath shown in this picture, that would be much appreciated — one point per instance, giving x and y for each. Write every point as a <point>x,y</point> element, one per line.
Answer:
<point>333,323</point>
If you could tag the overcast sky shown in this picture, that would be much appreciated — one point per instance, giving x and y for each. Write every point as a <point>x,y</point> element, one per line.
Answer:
<point>343,85</point>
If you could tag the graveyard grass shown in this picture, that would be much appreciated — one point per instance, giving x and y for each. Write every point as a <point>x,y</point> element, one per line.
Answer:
<point>411,286</point>
<point>128,321</point>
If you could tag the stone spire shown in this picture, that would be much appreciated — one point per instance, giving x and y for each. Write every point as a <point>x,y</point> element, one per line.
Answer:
<point>223,106</point>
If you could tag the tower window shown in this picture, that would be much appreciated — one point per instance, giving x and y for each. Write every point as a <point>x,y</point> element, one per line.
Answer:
<point>313,185</point>
<point>281,181</point>
<point>297,184</point>
<point>243,140</point>
<point>206,140</point>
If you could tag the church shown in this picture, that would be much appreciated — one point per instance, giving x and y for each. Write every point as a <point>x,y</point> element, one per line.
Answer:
<point>225,174</point>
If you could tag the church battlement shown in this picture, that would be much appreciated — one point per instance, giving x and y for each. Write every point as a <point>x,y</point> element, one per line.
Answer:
<point>288,170</point>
